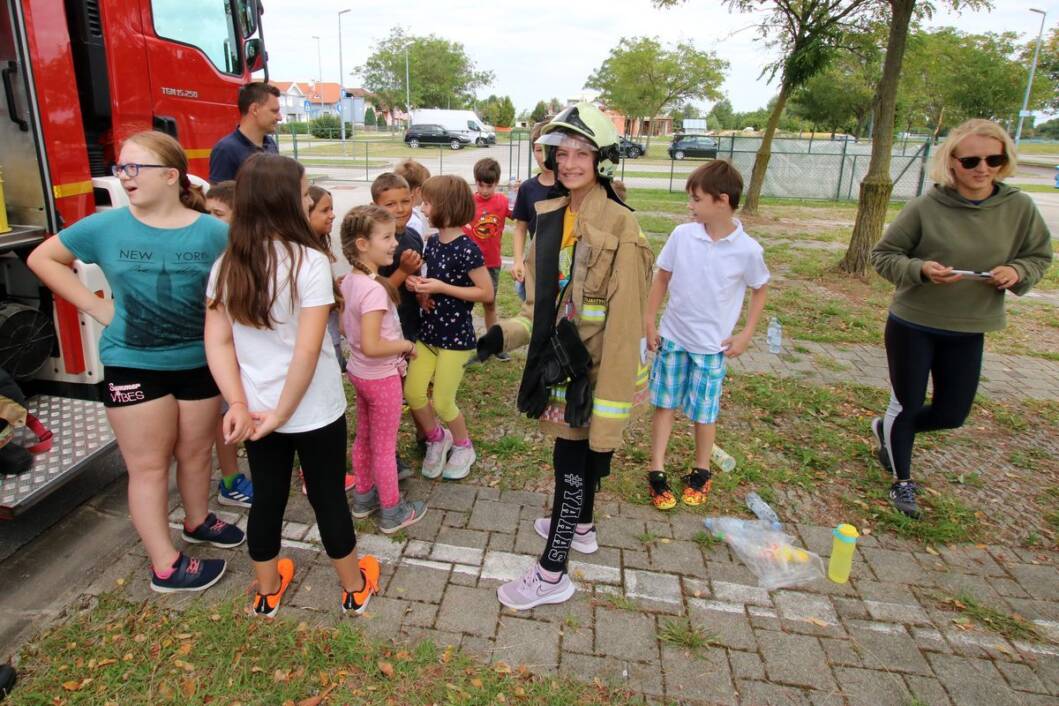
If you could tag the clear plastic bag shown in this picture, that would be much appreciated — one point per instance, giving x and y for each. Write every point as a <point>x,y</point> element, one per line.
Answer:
<point>769,553</point>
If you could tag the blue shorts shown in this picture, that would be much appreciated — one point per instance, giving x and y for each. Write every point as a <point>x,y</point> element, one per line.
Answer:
<point>690,381</point>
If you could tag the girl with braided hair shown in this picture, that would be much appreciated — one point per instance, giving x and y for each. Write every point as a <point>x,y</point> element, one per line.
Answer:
<point>377,361</point>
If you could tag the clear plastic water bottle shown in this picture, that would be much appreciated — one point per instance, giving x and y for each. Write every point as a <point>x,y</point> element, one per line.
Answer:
<point>775,336</point>
<point>762,510</point>
<point>512,192</point>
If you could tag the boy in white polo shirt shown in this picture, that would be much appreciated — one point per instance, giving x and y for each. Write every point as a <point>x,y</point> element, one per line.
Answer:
<point>706,267</point>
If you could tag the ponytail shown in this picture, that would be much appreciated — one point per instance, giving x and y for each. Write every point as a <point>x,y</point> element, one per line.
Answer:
<point>192,195</point>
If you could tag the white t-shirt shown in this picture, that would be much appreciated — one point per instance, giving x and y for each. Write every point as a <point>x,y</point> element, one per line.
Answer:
<point>708,284</point>
<point>265,354</point>
<point>419,222</point>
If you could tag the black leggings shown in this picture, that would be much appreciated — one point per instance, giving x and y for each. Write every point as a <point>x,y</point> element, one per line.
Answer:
<point>577,471</point>
<point>954,361</point>
<point>322,453</point>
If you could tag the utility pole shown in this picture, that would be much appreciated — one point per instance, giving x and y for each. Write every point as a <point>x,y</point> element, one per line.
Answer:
<point>1029,83</point>
<point>341,83</point>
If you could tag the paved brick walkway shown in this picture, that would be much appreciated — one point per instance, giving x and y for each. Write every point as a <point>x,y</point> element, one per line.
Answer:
<point>1004,377</point>
<point>881,639</point>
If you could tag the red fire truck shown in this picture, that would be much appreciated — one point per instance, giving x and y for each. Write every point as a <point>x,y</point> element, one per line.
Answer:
<point>78,77</point>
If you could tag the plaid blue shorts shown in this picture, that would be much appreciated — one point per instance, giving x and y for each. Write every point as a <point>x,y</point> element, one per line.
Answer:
<point>690,381</point>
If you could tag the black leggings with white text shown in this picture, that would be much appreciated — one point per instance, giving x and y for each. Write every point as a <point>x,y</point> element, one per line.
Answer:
<point>577,471</point>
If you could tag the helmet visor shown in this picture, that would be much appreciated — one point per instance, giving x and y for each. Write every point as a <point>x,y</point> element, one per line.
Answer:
<point>561,138</point>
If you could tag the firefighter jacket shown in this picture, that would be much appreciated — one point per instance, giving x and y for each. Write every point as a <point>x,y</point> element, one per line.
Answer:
<point>611,276</point>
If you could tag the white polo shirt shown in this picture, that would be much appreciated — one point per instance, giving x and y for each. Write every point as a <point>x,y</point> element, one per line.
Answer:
<point>709,281</point>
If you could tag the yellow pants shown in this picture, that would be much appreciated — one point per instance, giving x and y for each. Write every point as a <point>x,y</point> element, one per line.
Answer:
<point>445,369</point>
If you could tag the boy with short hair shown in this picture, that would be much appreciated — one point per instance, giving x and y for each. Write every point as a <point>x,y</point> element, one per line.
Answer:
<point>531,191</point>
<point>220,200</point>
<point>706,267</point>
<point>416,174</point>
<point>391,192</point>
<point>491,211</point>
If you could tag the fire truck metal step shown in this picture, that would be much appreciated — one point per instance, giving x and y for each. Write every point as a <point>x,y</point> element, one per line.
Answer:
<point>81,434</point>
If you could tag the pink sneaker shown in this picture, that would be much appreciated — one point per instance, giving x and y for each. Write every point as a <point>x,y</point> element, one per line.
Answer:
<point>437,455</point>
<point>532,590</point>
<point>583,543</point>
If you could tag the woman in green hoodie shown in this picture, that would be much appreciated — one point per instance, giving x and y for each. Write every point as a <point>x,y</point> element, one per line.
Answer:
<point>952,254</point>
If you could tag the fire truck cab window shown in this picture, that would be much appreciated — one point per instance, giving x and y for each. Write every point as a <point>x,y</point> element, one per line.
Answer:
<point>205,24</point>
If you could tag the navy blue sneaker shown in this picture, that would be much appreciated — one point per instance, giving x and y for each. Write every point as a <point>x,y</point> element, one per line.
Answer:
<point>217,532</point>
<point>190,574</point>
<point>241,494</point>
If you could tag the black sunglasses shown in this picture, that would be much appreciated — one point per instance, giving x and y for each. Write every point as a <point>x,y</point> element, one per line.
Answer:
<point>993,160</point>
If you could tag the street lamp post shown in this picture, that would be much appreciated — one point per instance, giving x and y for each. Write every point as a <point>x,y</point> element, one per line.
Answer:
<point>1029,83</point>
<point>341,82</point>
<point>407,90</point>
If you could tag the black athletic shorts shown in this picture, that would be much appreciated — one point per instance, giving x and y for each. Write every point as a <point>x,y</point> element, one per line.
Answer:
<point>125,387</point>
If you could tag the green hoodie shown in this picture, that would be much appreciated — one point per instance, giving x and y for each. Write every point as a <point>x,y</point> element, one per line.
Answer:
<point>941,225</point>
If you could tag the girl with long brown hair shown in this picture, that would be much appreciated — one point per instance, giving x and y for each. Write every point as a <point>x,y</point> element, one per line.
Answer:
<point>160,398</point>
<point>378,353</point>
<point>269,297</point>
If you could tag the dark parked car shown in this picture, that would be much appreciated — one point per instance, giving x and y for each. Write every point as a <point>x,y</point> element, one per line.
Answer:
<point>433,135</point>
<point>693,146</point>
<point>630,149</point>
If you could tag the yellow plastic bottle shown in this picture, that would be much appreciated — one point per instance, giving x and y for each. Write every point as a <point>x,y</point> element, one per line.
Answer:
<point>842,546</point>
<point>4,227</point>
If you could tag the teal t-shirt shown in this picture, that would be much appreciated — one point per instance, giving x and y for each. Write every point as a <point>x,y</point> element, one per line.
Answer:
<point>158,279</point>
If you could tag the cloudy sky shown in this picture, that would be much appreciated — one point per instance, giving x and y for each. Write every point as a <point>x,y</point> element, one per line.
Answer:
<point>542,49</point>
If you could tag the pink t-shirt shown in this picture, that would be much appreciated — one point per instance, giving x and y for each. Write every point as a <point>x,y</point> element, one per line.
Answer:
<point>363,294</point>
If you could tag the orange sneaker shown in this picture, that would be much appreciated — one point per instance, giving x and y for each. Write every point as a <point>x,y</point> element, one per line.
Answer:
<point>268,605</point>
<point>351,482</point>
<point>695,490</point>
<point>357,601</point>
<point>661,494</point>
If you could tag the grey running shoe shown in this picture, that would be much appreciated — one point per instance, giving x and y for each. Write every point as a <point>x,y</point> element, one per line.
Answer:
<point>364,505</point>
<point>401,515</point>
<point>404,471</point>
<point>532,590</point>
<point>882,453</point>
<point>437,454</point>
<point>903,497</point>
<point>585,543</point>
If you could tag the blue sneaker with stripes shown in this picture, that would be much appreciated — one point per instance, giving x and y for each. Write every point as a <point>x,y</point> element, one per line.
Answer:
<point>241,494</point>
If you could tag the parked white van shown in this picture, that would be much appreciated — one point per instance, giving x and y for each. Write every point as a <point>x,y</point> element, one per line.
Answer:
<point>463,122</point>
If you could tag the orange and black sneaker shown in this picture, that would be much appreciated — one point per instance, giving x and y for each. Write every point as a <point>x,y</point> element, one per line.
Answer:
<point>696,487</point>
<point>661,494</point>
<point>268,605</point>
<point>357,601</point>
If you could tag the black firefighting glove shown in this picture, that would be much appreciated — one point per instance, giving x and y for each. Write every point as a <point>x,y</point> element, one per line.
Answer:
<point>491,343</point>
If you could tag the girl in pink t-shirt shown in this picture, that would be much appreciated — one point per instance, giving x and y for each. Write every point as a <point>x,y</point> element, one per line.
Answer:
<point>378,358</point>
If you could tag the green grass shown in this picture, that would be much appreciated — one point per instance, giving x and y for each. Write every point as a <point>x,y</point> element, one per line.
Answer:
<point>679,632</point>
<point>971,609</point>
<point>122,653</point>
<point>1032,148</point>
<point>618,601</point>
<point>706,539</point>
<point>1038,188</point>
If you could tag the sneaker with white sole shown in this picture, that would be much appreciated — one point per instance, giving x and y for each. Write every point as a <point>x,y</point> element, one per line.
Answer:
<point>459,464</point>
<point>533,590</point>
<point>584,542</point>
<point>365,504</point>
<point>401,515</point>
<point>883,452</point>
<point>437,454</point>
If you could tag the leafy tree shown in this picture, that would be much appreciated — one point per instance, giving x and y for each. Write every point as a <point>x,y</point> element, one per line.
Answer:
<point>1048,129</point>
<point>721,116</point>
<point>877,185</point>
<point>380,120</point>
<point>498,111</point>
<point>369,116</point>
<point>554,106</point>
<point>441,73</point>
<point>641,78</point>
<point>807,33</point>
<point>540,112</point>
<point>841,96</point>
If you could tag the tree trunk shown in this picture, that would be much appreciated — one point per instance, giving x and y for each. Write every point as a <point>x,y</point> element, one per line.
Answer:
<point>877,185</point>
<point>764,152</point>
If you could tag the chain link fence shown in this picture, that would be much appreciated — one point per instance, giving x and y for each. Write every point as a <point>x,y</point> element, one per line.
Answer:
<point>803,168</point>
